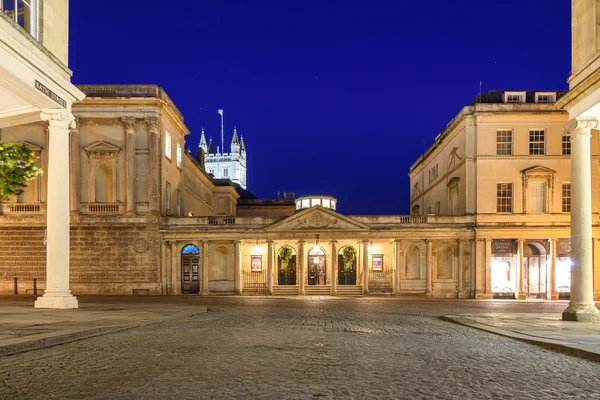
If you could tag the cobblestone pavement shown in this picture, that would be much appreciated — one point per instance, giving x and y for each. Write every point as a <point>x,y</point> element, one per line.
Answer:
<point>312,348</point>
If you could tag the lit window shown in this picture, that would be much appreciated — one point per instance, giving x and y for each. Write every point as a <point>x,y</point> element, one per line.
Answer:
<point>327,203</point>
<point>504,143</point>
<point>537,197</point>
<point>537,143</point>
<point>504,197</point>
<point>566,145</point>
<point>544,97</point>
<point>168,198</point>
<point>566,197</point>
<point>179,155</point>
<point>23,13</point>
<point>514,98</point>
<point>168,145</point>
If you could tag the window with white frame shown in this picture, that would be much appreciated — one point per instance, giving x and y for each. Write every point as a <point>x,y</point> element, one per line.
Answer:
<point>537,142</point>
<point>537,197</point>
<point>504,143</point>
<point>514,97</point>
<point>566,197</point>
<point>24,13</point>
<point>168,145</point>
<point>179,155</point>
<point>566,145</point>
<point>545,97</point>
<point>504,195</point>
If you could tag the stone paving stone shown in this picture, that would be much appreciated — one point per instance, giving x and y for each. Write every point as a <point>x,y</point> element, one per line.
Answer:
<point>258,348</point>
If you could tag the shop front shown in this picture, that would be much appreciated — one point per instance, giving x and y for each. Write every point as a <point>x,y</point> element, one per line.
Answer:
<point>504,270</point>
<point>563,268</point>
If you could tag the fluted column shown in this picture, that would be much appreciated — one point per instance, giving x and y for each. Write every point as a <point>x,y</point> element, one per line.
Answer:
<point>153,164</point>
<point>129,123</point>
<point>521,289</point>
<point>365,262</point>
<point>237,272</point>
<point>581,307</point>
<point>57,294</point>
<point>270,267</point>
<point>75,166</point>
<point>301,266</point>
<point>334,267</point>
<point>205,275</point>
<point>461,279</point>
<point>428,280</point>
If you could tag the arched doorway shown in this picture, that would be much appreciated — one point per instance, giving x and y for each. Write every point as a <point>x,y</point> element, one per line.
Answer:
<point>190,269</point>
<point>316,266</point>
<point>535,270</point>
<point>346,273</point>
<point>287,269</point>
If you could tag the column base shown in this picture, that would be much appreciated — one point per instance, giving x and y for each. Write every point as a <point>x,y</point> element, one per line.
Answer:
<point>484,296</point>
<point>552,295</point>
<point>206,293</point>
<point>62,301</point>
<point>581,313</point>
<point>521,296</point>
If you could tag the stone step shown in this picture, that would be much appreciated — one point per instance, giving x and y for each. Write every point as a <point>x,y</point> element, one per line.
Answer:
<point>314,290</point>
<point>286,290</point>
<point>349,290</point>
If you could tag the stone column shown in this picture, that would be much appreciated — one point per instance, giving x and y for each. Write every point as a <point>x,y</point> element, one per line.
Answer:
<point>488,294</point>
<point>551,292</point>
<point>301,266</point>
<point>397,265</point>
<point>365,254</point>
<point>75,166</point>
<point>237,273</point>
<point>472,266</point>
<point>428,268</point>
<point>57,294</point>
<point>581,307</point>
<point>270,267</point>
<point>461,279</point>
<point>479,268</point>
<point>153,164</point>
<point>334,267</point>
<point>165,259</point>
<point>174,273</point>
<point>521,289</point>
<point>596,243</point>
<point>129,123</point>
<point>204,289</point>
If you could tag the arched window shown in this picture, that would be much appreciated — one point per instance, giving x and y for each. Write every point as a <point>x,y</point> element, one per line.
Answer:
<point>104,182</point>
<point>293,250</point>
<point>190,249</point>
<point>316,250</point>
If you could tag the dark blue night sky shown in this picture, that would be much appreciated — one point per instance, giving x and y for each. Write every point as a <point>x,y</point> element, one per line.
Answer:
<point>331,97</point>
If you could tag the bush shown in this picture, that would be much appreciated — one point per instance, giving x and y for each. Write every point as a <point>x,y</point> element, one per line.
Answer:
<point>17,167</point>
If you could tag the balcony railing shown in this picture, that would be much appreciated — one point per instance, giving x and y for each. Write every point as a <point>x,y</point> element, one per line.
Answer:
<point>221,220</point>
<point>413,219</point>
<point>23,208</point>
<point>105,208</point>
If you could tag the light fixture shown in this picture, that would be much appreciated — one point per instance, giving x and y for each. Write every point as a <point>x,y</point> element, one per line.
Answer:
<point>317,239</point>
<point>371,248</point>
<point>256,248</point>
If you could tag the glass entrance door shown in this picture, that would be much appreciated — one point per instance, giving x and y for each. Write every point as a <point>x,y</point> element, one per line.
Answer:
<point>190,274</point>
<point>287,275</point>
<point>316,270</point>
<point>537,277</point>
<point>346,275</point>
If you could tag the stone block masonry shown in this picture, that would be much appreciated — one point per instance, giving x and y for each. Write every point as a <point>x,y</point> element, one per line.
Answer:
<point>108,255</point>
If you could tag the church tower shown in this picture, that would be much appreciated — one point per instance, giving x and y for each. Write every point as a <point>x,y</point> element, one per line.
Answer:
<point>224,165</point>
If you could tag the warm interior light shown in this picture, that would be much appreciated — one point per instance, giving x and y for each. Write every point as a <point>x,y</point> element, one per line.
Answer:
<point>256,248</point>
<point>371,248</point>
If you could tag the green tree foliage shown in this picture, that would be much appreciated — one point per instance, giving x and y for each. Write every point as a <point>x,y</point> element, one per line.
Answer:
<point>17,167</point>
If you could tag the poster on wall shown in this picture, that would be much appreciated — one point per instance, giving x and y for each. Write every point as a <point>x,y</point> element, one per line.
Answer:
<point>377,262</point>
<point>256,263</point>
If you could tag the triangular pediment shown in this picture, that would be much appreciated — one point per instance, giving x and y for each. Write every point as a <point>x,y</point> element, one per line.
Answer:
<point>538,169</point>
<point>102,147</point>
<point>31,146</point>
<point>317,217</point>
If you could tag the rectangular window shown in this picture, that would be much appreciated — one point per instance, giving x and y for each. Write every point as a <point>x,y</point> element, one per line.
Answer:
<point>23,13</point>
<point>168,145</point>
<point>545,97</point>
<point>168,198</point>
<point>566,197</point>
<point>433,173</point>
<point>537,143</point>
<point>566,145</point>
<point>179,155</point>
<point>179,212</point>
<point>225,173</point>
<point>537,197</point>
<point>514,98</point>
<point>504,143</point>
<point>504,197</point>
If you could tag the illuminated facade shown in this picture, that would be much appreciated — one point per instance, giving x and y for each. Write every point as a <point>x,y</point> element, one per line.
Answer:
<point>224,165</point>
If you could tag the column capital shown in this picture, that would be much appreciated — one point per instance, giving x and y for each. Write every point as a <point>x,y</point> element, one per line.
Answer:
<point>237,241</point>
<point>152,123</point>
<point>76,124</point>
<point>129,123</point>
<point>580,125</point>
<point>301,242</point>
<point>365,241</point>
<point>333,241</point>
<point>269,241</point>
<point>58,117</point>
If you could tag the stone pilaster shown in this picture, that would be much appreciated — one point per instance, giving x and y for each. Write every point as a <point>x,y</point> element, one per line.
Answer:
<point>487,293</point>
<point>473,268</point>
<point>301,267</point>
<point>521,279</point>
<point>75,166</point>
<point>129,123</point>
<point>205,273</point>
<point>334,267</point>
<point>237,272</point>
<point>461,270</point>
<point>551,292</point>
<point>153,166</point>
<point>581,307</point>
<point>57,294</point>
<point>365,263</point>
<point>396,246</point>
<point>174,273</point>
<point>270,267</point>
<point>596,243</point>
<point>428,278</point>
